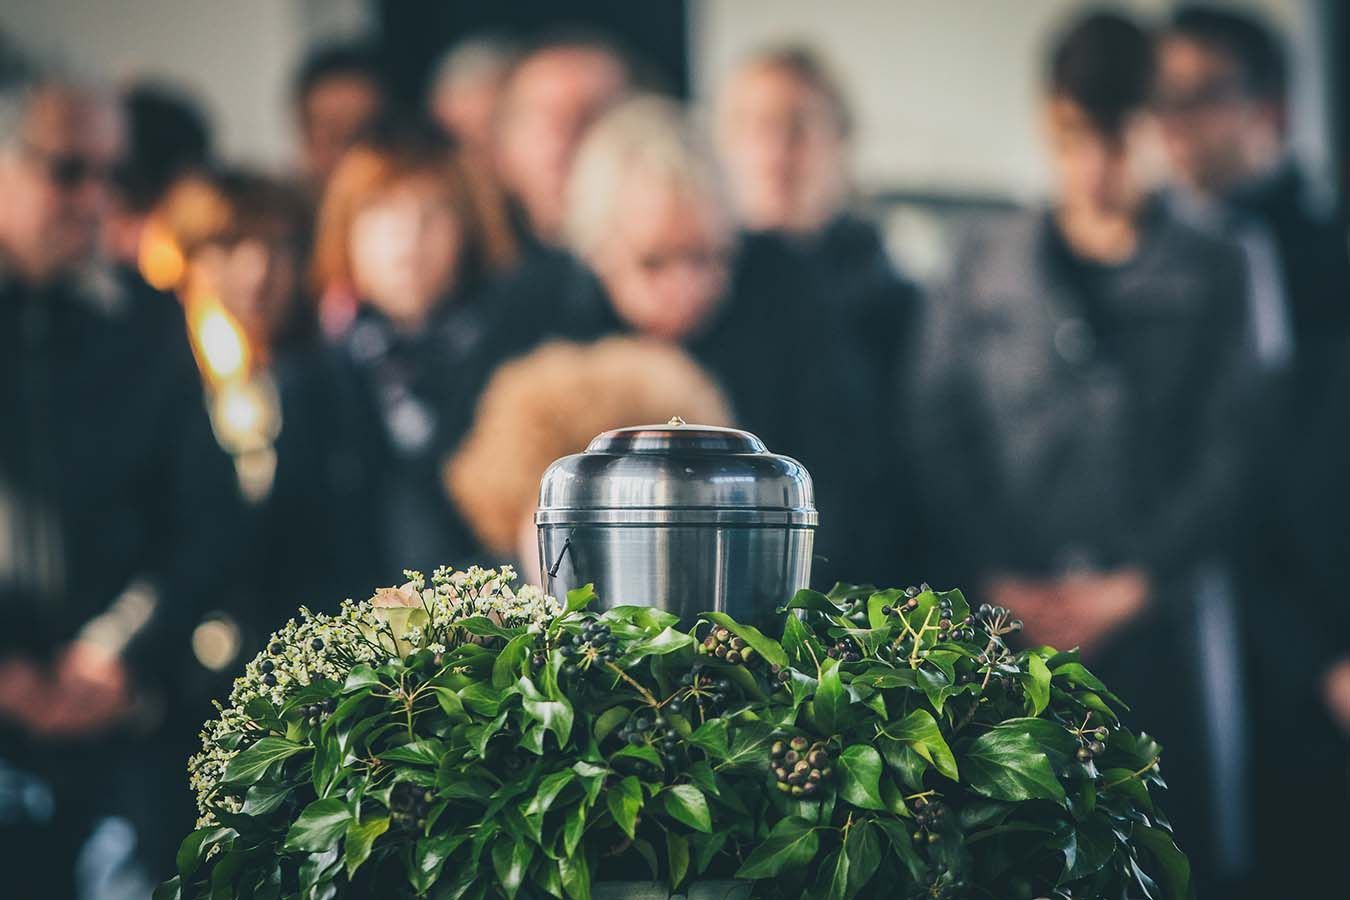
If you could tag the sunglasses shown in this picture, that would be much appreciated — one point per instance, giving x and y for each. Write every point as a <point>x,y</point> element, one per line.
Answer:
<point>69,171</point>
<point>1202,97</point>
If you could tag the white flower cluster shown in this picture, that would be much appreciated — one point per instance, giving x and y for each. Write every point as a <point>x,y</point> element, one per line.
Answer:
<point>396,621</point>
<point>489,593</point>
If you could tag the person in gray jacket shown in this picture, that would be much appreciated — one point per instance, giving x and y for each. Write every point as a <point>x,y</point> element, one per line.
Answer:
<point>1083,408</point>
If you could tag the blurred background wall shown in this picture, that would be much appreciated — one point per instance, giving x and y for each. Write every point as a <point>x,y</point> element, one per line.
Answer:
<point>915,69</point>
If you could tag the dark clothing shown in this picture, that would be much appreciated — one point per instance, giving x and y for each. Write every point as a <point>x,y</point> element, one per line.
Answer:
<point>783,358</point>
<point>879,307</point>
<point>109,468</point>
<point>367,423</point>
<point>1118,419</point>
<point>1292,553</point>
<point>1072,415</point>
<point>116,505</point>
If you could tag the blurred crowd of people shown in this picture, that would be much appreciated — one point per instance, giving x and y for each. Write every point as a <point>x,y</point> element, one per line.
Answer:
<point>225,393</point>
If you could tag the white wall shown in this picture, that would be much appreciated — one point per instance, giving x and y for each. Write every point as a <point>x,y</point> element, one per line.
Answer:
<point>945,90</point>
<point>236,56</point>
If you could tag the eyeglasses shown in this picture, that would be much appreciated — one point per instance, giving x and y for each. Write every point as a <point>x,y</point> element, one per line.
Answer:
<point>69,171</point>
<point>1199,98</point>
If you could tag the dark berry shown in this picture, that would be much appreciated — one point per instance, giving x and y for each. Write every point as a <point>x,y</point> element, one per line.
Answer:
<point>317,643</point>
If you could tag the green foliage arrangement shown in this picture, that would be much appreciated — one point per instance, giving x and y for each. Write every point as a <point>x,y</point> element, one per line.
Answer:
<point>461,739</point>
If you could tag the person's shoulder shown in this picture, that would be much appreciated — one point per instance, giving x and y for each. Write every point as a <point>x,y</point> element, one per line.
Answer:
<point>1175,242</point>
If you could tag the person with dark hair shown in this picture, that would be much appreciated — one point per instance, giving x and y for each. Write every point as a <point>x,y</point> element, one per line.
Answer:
<point>785,128</point>
<point>553,92</point>
<point>339,91</point>
<point>1223,100</point>
<point>168,135</point>
<point>117,509</point>
<point>240,235</point>
<point>1081,421</point>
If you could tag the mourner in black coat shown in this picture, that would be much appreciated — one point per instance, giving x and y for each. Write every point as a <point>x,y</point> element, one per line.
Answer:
<point>117,508</point>
<point>1084,418</point>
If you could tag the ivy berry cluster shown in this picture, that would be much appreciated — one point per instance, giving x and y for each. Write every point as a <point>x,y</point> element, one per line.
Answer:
<point>728,647</point>
<point>593,645</point>
<point>654,731</point>
<point>800,767</point>
<point>704,692</point>
<point>409,805</point>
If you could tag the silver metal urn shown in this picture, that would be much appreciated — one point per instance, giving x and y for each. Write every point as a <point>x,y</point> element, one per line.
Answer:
<point>686,518</point>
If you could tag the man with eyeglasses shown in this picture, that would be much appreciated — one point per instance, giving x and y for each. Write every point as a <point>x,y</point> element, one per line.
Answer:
<point>110,516</point>
<point>1223,105</point>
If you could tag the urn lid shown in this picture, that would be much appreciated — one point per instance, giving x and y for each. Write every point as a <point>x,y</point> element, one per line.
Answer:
<point>676,474</point>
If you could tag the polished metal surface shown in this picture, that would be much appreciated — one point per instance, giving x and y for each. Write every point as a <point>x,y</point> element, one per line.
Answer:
<point>686,518</point>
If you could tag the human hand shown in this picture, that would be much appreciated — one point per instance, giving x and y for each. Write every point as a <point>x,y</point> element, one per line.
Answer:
<point>88,692</point>
<point>22,688</point>
<point>1079,610</point>
<point>1336,692</point>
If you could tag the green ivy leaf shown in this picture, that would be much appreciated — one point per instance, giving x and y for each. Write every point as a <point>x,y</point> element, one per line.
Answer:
<point>859,769</point>
<point>625,802</point>
<point>1174,870</point>
<point>878,603</point>
<point>361,838</point>
<point>831,702</point>
<point>677,854</point>
<point>1094,842</point>
<point>792,844</point>
<point>554,715</point>
<point>265,798</point>
<point>576,876</point>
<point>426,752</point>
<point>1077,674</point>
<point>195,846</point>
<point>1038,684</point>
<point>686,803</point>
<point>919,730</point>
<point>548,791</point>
<point>511,862</point>
<point>863,849</point>
<point>667,641</point>
<point>249,766</point>
<point>580,598</point>
<point>361,676</point>
<point>901,842</point>
<point>506,668</point>
<point>428,858</point>
<point>1009,765</point>
<point>711,738</point>
<point>319,826</point>
<point>811,600</point>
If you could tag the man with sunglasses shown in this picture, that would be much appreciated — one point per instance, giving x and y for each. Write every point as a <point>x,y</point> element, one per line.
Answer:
<point>110,487</point>
<point>1223,105</point>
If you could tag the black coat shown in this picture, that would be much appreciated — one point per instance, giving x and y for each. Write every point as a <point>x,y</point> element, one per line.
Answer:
<point>109,474</point>
<point>1104,419</point>
<point>368,421</point>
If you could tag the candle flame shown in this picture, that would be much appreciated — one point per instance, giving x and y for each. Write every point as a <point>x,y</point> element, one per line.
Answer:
<point>218,339</point>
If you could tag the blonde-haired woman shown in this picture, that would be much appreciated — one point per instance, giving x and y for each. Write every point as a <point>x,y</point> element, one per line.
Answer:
<point>549,404</point>
<point>647,212</point>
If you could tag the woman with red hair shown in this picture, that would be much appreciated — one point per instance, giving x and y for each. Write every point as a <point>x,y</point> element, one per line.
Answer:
<point>405,252</point>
